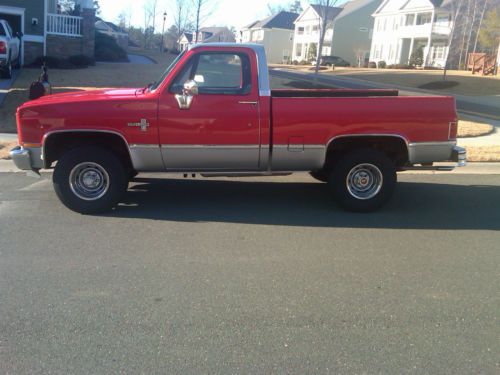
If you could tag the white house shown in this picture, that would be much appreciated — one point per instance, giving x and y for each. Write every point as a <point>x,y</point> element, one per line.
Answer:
<point>403,26</point>
<point>207,35</point>
<point>306,35</point>
<point>348,35</point>
<point>275,33</point>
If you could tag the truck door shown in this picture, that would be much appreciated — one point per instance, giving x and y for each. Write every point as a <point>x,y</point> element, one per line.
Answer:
<point>217,127</point>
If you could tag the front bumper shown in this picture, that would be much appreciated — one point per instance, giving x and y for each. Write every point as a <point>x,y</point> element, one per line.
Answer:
<point>27,159</point>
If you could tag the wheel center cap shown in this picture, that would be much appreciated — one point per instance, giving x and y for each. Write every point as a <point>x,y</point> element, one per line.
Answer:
<point>91,179</point>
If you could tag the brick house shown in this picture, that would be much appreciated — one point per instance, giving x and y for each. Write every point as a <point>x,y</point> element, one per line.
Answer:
<point>47,31</point>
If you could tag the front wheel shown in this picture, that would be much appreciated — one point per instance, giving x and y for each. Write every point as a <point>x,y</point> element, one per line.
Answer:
<point>363,180</point>
<point>89,180</point>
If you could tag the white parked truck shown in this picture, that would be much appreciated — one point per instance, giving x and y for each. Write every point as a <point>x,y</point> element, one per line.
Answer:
<point>9,49</point>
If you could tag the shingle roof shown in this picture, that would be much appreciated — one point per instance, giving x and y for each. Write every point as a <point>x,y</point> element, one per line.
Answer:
<point>329,12</point>
<point>354,5</point>
<point>281,20</point>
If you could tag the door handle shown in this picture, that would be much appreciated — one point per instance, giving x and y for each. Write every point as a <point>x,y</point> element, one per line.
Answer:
<point>247,102</point>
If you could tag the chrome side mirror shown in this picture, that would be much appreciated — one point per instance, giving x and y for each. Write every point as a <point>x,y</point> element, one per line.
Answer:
<point>189,90</point>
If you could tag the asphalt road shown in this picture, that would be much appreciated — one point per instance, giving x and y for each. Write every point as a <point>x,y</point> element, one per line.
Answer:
<point>471,106</point>
<point>251,276</point>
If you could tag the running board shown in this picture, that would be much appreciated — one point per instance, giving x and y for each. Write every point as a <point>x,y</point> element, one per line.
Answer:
<point>447,168</point>
<point>243,174</point>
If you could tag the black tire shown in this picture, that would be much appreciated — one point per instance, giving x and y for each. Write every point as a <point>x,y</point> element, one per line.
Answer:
<point>320,175</point>
<point>81,167</point>
<point>363,180</point>
<point>7,71</point>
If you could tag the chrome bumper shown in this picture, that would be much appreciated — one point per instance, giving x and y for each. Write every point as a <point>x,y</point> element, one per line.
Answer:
<point>431,152</point>
<point>459,155</point>
<point>27,159</point>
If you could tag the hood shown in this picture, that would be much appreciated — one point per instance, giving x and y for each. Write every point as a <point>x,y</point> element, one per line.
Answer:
<point>84,96</point>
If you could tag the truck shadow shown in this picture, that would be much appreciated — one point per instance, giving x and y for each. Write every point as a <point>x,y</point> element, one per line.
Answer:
<point>414,205</point>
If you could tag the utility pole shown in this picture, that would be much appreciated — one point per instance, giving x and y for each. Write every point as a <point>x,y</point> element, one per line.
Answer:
<point>163,31</point>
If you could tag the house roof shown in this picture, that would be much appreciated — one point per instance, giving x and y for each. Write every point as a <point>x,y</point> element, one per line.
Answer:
<point>397,5</point>
<point>281,20</point>
<point>354,5</point>
<point>188,36</point>
<point>330,12</point>
<point>100,24</point>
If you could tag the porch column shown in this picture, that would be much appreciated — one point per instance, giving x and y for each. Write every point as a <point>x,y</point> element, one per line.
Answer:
<point>411,50</point>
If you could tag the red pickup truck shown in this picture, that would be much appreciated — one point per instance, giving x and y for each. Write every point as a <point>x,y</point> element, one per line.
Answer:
<point>213,112</point>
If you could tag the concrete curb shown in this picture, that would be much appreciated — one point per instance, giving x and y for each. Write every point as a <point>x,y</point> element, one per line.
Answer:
<point>8,137</point>
<point>7,166</point>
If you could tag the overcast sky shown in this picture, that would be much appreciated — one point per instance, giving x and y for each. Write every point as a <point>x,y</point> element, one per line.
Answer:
<point>236,13</point>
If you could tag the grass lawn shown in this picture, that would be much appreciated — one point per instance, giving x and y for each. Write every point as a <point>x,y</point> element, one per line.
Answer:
<point>467,84</point>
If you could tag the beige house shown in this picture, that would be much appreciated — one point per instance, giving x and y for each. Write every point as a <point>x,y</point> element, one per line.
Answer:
<point>348,35</point>
<point>275,33</point>
<point>353,31</point>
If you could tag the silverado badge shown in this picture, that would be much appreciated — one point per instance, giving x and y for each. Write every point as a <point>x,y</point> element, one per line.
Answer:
<point>143,124</point>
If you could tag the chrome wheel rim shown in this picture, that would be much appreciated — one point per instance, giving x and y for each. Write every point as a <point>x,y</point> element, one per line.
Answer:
<point>89,181</point>
<point>364,181</point>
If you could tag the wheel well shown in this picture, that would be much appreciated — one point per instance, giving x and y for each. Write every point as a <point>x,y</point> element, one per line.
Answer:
<point>57,144</point>
<point>394,147</point>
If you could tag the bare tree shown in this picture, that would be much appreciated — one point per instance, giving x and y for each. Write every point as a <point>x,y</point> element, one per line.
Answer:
<point>480,24</point>
<point>455,9</point>
<point>181,16</point>
<point>326,12</point>
<point>202,9</point>
<point>150,13</point>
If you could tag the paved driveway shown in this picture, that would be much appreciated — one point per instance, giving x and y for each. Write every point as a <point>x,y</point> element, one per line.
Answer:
<point>253,276</point>
<point>6,84</point>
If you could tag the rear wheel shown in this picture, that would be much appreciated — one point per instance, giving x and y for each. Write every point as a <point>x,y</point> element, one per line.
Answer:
<point>7,70</point>
<point>363,180</point>
<point>90,180</point>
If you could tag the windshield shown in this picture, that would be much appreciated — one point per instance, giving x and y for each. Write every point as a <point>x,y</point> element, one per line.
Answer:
<point>155,85</point>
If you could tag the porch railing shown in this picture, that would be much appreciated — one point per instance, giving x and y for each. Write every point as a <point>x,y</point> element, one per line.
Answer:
<point>60,24</point>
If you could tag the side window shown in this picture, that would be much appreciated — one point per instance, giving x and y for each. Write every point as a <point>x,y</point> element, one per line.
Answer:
<point>10,30</point>
<point>2,30</point>
<point>217,74</point>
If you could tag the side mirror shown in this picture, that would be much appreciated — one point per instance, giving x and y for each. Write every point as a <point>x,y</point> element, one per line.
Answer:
<point>189,90</point>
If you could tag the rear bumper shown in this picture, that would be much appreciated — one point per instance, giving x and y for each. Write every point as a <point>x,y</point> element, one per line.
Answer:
<point>431,152</point>
<point>27,159</point>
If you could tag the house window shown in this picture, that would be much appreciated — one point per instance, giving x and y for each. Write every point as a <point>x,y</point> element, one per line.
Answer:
<point>315,28</point>
<point>300,30</point>
<point>410,20</point>
<point>438,53</point>
<point>443,18</point>
<point>308,30</point>
<point>385,24</point>
<point>298,49</point>
<point>424,18</point>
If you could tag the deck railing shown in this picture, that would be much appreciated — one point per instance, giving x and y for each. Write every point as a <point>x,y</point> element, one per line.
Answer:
<point>61,24</point>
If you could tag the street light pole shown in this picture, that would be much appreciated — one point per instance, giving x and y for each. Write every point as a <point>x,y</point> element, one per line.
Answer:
<point>163,31</point>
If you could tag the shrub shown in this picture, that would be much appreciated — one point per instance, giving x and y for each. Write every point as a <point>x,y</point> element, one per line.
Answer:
<point>382,64</point>
<point>295,62</point>
<point>400,66</point>
<point>106,49</point>
<point>304,62</point>
<point>175,51</point>
<point>81,60</point>
<point>372,64</point>
<point>417,57</point>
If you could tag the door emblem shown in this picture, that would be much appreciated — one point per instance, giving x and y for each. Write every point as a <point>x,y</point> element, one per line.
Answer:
<point>143,124</point>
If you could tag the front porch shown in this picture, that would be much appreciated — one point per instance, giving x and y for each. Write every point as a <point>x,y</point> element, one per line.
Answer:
<point>432,56</point>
